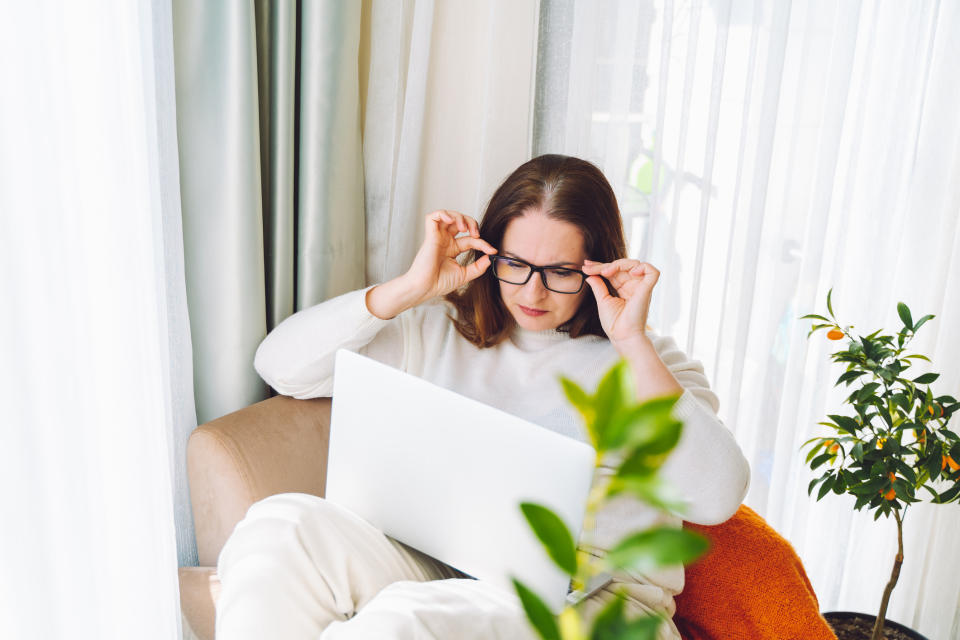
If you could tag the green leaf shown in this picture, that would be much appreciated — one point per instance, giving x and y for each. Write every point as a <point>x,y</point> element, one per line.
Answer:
<point>917,356</point>
<point>649,424</point>
<point>644,628</point>
<point>657,547</point>
<point>830,304</point>
<point>650,489</point>
<point>904,312</point>
<point>867,391</point>
<point>583,403</point>
<point>950,494</point>
<point>926,378</point>
<point>857,452</point>
<point>922,320</point>
<point>655,435</point>
<point>614,393</point>
<point>849,376</point>
<point>611,624</point>
<point>906,471</point>
<point>862,501</point>
<point>846,423</point>
<point>820,460</point>
<point>826,486</point>
<point>813,316</point>
<point>539,615</point>
<point>931,464</point>
<point>870,487</point>
<point>554,535</point>
<point>814,449</point>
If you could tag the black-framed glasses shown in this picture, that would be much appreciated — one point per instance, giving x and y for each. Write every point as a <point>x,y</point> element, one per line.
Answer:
<point>557,279</point>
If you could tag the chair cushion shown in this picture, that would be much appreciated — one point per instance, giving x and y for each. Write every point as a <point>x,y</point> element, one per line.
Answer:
<point>199,588</point>
<point>750,585</point>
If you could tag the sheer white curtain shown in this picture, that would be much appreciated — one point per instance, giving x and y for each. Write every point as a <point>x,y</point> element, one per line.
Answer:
<point>94,373</point>
<point>446,92</point>
<point>764,152</point>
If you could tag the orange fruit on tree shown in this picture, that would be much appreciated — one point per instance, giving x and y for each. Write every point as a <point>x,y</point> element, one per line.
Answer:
<point>948,461</point>
<point>892,476</point>
<point>834,447</point>
<point>835,334</point>
<point>890,495</point>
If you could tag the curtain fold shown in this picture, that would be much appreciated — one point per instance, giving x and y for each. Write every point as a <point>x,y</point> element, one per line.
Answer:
<point>271,179</point>
<point>219,147</point>
<point>277,95</point>
<point>178,355</point>
<point>95,391</point>
<point>766,153</point>
<point>330,225</point>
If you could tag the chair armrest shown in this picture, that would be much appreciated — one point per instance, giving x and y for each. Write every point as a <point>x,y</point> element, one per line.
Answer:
<point>275,446</point>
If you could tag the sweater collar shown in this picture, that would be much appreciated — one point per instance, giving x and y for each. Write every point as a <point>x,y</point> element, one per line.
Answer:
<point>528,340</point>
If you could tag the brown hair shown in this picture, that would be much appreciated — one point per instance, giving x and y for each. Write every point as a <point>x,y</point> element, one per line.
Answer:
<point>564,188</point>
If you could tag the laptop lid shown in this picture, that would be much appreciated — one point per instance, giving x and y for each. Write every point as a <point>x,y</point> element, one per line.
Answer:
<point>446,474</point>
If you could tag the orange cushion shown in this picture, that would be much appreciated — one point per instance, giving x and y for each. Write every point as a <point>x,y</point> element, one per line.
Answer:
<point>750,585</point>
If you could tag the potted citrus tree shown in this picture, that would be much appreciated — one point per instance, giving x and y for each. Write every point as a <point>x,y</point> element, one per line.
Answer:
<point>634,439</point>
<point>895,447</point>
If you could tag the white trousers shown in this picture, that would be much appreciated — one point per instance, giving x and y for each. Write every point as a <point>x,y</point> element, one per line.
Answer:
<point>299,567</point>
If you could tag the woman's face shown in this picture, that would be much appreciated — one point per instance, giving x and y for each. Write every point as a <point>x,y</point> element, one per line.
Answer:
<point>541,241</point>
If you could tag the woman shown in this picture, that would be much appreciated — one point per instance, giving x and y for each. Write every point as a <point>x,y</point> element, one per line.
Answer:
<point>530,304</point>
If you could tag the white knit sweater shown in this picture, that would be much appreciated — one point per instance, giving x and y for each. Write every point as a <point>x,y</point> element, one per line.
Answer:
<point>520,376</point>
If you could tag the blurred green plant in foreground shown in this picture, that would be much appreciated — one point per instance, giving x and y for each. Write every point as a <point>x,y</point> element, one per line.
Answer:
<point>897,442</point>
<point>634,439</point>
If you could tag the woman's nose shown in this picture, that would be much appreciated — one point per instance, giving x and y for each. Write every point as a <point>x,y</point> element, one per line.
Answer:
<point>534,286</point>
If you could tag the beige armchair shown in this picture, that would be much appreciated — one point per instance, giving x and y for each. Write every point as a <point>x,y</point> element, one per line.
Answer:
<point>751,580</point>
<point>275,446</point>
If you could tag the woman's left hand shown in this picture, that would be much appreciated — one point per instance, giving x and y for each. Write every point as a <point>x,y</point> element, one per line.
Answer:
<point>624,319</point>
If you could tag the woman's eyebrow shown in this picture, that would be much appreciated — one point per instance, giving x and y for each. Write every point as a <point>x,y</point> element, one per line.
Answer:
<point>557,264</point>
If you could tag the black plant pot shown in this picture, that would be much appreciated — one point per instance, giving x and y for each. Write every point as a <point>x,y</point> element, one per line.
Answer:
<point>863,623</point>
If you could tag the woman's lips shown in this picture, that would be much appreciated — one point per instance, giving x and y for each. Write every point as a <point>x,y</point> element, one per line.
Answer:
<point>531,312</point>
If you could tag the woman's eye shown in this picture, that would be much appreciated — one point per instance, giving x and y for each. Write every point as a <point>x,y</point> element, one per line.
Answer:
<point>513,264</point>
<point>563,273</point>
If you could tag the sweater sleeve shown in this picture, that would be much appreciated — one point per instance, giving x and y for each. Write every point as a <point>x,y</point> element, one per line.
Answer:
<point>297,357</point>
<point>706,468</point>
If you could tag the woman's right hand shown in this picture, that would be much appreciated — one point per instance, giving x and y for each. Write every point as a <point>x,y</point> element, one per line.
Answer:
<point>435,270</point>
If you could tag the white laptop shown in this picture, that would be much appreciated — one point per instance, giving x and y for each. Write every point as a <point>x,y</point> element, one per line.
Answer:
<point>446,474</point>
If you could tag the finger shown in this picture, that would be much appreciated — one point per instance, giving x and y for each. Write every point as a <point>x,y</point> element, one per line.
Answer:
<point>623,264</point>
<point>599,288</point>
<point>465,243</point>
<point>619,278</point>
<point>476,269</point>
<point>644,268</point>
<point>437,223</point>
<point>457,220</point>
<point>441,215</point>
<point>474,227</point>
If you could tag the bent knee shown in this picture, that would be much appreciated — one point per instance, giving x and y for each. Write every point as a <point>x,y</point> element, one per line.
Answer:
<point>280,524</point>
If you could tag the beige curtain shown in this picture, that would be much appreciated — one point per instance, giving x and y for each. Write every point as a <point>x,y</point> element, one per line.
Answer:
<point>447,95</point>
<point>270,174</point>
